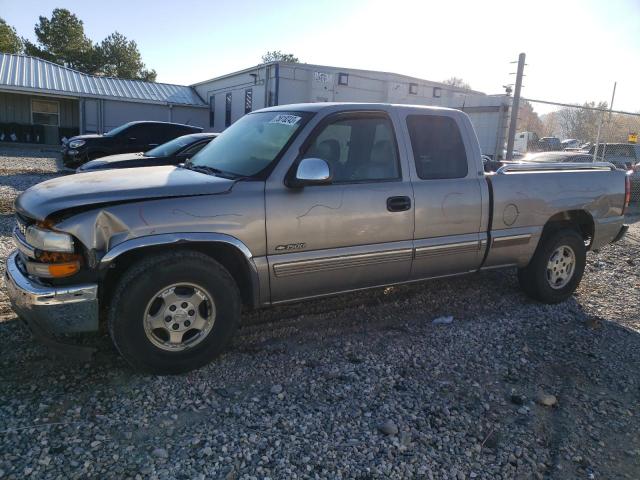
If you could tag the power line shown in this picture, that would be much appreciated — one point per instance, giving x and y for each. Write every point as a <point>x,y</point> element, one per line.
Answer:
<point>596,109</point>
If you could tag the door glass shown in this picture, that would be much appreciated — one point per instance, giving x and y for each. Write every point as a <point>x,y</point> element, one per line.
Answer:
<point>438,149</point>
<point>358,149</point>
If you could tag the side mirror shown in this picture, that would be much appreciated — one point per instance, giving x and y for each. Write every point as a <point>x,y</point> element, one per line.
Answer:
<point>311,171</point>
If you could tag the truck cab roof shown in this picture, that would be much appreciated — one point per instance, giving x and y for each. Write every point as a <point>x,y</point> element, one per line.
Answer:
<point>340,106</point>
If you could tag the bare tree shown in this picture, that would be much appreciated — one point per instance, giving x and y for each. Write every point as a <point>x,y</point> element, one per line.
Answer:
<point>457,82</point>
<point>278,56</point>
<point>528,119</point>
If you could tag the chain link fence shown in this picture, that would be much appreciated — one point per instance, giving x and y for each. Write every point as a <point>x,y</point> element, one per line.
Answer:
<point>551,131</point>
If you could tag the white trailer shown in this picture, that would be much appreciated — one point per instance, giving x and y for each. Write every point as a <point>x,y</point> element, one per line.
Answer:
<point>279,83</point>
<point>524,141</point>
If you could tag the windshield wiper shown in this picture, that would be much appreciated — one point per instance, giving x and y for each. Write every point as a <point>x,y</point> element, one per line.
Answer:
<point>209,170</point>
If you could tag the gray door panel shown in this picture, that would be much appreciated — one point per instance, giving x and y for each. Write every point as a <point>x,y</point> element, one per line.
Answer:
<point>449,212</point>
<point>333,238</point>
<point>447,237</point>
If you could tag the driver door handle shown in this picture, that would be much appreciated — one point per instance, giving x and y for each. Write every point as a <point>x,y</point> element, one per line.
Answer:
<point>398,204</point>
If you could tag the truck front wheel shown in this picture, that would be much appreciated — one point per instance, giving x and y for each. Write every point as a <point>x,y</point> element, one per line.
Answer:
<point>173,312</point>
<point>556,268</point>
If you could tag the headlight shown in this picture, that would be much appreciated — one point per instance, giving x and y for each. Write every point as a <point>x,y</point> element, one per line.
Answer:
<point>76,143</point>
<point>49,240</point>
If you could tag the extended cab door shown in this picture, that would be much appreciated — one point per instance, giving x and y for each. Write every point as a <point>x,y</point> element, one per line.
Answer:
<point>448,191</point>
<point>353,233</point>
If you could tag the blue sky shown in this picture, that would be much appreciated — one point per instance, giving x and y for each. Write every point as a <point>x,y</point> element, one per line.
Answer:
<point>575,49</point>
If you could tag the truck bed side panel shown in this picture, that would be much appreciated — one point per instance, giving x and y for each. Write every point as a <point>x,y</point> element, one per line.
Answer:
<point>524,202</point>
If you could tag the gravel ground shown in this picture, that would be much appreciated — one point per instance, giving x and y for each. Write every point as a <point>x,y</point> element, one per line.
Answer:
<point>20,168</point>
<point>358,386</point>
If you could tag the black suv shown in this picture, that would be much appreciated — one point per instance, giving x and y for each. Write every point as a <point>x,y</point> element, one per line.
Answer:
<point>130,137</point>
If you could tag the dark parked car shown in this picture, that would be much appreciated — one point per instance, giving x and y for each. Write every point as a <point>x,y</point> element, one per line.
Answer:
<point>622,155</point>
<point>549,144</point>
<point>173,152</point>
<point>130,137</point>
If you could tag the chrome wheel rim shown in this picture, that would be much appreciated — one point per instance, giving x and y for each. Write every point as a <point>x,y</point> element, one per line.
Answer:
<point>561,267</point>
<point>179,317</point>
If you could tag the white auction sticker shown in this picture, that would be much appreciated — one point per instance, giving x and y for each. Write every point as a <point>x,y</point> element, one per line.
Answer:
<point>285,119</point>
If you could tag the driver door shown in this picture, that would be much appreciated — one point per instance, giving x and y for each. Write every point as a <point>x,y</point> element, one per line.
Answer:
<point>354,233</point>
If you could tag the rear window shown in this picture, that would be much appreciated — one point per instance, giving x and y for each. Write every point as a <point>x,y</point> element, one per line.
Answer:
<point>438,149</point>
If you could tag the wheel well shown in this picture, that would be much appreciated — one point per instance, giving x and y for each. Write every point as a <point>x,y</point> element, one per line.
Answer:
<point>579,220</point>
<point>227,255</point>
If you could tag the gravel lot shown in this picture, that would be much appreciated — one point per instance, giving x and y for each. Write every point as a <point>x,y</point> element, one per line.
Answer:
<point>358,386</point>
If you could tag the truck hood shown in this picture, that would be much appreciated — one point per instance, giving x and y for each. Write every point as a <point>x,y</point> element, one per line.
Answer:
<point>115,186</point>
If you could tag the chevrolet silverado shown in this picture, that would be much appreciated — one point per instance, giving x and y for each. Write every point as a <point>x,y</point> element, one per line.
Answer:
<point>291,203</point>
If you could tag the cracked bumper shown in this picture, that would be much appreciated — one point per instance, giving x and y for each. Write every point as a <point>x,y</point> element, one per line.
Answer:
<point>51,310</point>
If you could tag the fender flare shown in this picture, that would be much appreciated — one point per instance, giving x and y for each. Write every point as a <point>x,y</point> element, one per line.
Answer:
<point>187,238</point>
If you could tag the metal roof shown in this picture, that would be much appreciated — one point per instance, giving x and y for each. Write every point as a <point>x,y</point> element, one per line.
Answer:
<point>30,74</point>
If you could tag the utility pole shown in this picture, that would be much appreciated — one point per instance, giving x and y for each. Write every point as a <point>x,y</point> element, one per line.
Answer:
<point>604,147</point>
<point>515,107</point>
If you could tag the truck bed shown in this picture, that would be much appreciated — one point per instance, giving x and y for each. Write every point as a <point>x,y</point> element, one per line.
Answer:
<point>525,196</point>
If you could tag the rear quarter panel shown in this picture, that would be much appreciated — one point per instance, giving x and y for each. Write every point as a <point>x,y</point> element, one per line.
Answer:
<point>524,203</point>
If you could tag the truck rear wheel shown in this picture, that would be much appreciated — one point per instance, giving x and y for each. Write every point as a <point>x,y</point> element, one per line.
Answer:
<point>556,268</point>
<point>173,312</point>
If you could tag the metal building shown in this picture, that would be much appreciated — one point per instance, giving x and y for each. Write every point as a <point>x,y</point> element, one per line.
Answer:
<point>41,102</point>
<point>231,96</point>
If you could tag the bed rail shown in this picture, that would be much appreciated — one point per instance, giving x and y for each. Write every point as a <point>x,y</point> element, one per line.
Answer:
<point>554,167</point>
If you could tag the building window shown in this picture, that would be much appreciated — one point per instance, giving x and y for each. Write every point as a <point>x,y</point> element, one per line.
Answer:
<point>227,110</point>
<point>437,91</point>
<point>212,110</point>
<point>45,113</point>
<point>343,79</point>
<point>248,100</point>
<point>413,88</point>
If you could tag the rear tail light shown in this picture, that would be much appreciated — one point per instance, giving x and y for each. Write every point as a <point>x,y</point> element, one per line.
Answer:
<point>627,192</point>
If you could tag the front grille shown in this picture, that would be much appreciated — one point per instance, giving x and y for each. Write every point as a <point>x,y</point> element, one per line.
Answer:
<point>22,223</point>
<point>22,228</point>
<point>20,236</point>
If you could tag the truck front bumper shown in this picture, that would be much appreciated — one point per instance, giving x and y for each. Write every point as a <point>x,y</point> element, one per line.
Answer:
<point>51,310</point>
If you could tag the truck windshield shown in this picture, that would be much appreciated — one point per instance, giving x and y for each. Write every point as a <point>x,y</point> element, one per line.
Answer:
<point>251,144</point>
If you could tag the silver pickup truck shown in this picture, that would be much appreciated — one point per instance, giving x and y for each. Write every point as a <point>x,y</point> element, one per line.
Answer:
<point>291,203</point>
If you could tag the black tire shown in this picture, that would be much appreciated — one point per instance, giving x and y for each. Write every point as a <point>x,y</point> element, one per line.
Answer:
<point>533,278</point>
<point>138,286</point>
